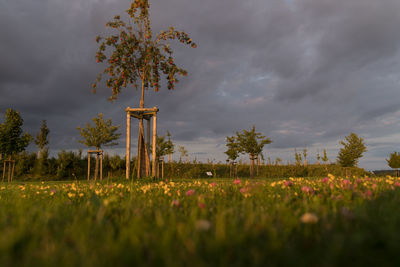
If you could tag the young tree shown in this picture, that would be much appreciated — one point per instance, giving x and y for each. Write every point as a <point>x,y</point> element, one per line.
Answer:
<point>163,147</point>
<point>183,152</point>
<point>232,152</point>
<point>318,158</point>
<point>325,157</point>
<point>305,156</point>
<point>353,149</point>
<point>251,143</point>
<point>103,133</point>
<point>138,58</point>
<point>12,140</point>
<point>297,157</point>
<point>171,147</point>
<point>394,161</point>
<point>41,139</point>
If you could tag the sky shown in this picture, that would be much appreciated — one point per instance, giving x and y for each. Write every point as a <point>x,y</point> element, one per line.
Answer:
<point>306,73</point>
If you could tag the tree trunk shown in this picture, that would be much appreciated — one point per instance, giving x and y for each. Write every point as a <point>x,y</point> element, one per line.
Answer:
<point>143,158</point>
<point>251,165</point>
<point>9,169</point>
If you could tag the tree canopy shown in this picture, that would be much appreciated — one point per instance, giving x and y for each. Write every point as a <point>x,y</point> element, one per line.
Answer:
<point>103,133</point>
<point>136,57</point>
<point>12,138</point>
<point>353,149</point>
<point>41,139</point>
<point>394,160</point>
<point>163,146</point>
<point>250,142</point>
<point>233,148</point>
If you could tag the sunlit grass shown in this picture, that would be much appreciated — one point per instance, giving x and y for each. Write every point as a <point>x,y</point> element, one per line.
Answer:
<point>301,221</point>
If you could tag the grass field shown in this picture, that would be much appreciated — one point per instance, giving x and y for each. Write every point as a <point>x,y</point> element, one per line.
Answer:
<point>303,222</point>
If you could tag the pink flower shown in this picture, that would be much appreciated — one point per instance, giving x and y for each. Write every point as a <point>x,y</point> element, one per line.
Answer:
<point>236,181</point>
<point>213,184</point>
<point>397,184</point>
<point>288,183</point>
<point>202,205</point>
<point>325,179</point>
<point>307,189</point>
<point>243,190</point>
<point>374,186</point>
<point>190,192</point>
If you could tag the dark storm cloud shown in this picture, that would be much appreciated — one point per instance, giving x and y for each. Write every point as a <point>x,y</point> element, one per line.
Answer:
<point>305,72</point>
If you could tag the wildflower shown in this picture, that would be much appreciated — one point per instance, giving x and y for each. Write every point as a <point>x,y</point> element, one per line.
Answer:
<point>190,192</point>
<point>309,218</point>
<point>243,190</point>
<point>236,181</point>
<point>397,184</point>
<point>325,179</point>
<point>71,195</point>
<point>202,205</point>
<point>288,183</point>
<point>213,184</point>
<point>307,189</point>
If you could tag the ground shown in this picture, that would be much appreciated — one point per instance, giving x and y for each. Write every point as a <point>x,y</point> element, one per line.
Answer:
<point>220,222</point>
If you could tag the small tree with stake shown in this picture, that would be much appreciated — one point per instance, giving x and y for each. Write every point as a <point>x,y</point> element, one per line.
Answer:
<point>163,148</point>
<point>102,133</point>
<point>12,140</point>
<point>251,143</point>
<point>394,161</point>
<point>138,58</point>
<point>232,152</point>
<point>42,141</point>
<point>353,149</point>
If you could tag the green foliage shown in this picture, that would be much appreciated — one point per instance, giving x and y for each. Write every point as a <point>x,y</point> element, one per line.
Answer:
<point>183,152</point>
<point>353,149</point>
<point>325,157</point>
<point>297,157</point>
<point>394,160</point>
<point>70,165</point>
<point>25,163</point>
<point>41,139</point>
<point>102,133</point>
<point>12,140</point>
<point>233,148</point>
<point>170,146</point>
<point>250,142</point>
<point>164,147</point>
<point>135,55</point>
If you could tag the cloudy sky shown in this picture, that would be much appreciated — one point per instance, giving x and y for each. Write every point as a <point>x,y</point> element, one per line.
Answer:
<point>305,72</point>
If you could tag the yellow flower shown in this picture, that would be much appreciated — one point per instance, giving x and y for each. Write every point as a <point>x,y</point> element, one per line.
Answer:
<point>71,195</point>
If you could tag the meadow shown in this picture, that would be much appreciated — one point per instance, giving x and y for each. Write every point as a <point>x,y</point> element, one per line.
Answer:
<point>326,221</point>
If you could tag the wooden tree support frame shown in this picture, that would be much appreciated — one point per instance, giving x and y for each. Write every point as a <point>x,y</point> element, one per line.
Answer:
<point>140,114</point>
<point>98,153</point>
<point>10,169</point>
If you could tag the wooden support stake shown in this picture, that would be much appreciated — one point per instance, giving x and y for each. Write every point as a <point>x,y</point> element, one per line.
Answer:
<point>128,144</point>
<point>88,168</point>
<point>148,135</point>
<point>4,170</point>
<point>12,172</point>
<point>154,142</point>
<point>101,166</point>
